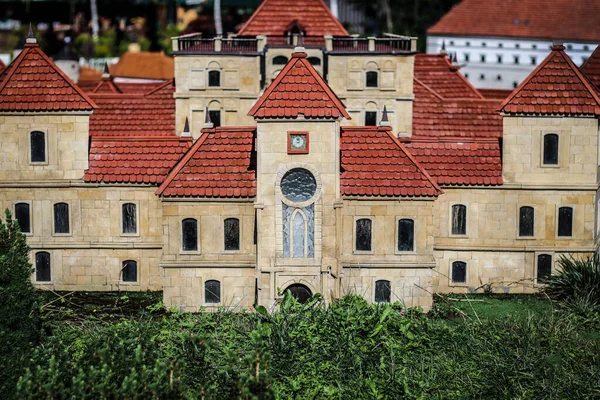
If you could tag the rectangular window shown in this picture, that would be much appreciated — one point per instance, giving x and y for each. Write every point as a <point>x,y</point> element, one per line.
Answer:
<point>459,219</point>
<point>459,272</point>
<point>212,292</point>
<point>23,217</point>
<point>129,216</point>
<point>214,78</point>
<point>38,146</point>
<point>383,291</point>
<point>189,234</point>
<point>129,271</point>
<point>565,221</point>
<point>215,117</point>
<point>406,235</point>
<point>370,118</point>
<point>61,218</point>
<point>231,229</point>
<point>42,266</point>
<point>544,267</point>
<point>371,79</point>
<point>363,234</point>
<point>551,149</point>
<point>526,221</point>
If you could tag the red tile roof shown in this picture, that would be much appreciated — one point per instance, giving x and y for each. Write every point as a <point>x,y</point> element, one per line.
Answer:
<point>298,89</point>
<point>32,82</point>
<point>219,164</point>
<point>556,19</point>
<point>273,17</point>
<point>144,65</point>
<point>106,85</point>
<point>125,114</point>
<point>555,87</point>
<point>591,67</point>
<point>134,159</point>
<point>498,94</point>
<point>437,72</point>
<point>375,163</point>
<point>2,67</point>
<point>452,163</point>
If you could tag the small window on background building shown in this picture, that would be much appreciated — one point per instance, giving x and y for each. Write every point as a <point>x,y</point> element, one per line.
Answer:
<point>23,216</point>
<point>406,235</point>
<point>534,46</point>
<point>215,117</point>
<point>482,77</point>
<point>383,291</point>
<point>363,234</point>
<point>459,272</point>
<point>61,218</point>
<point>212,292</point>
<point>569,47</point>
<point>515,84</point>
<point>38,146</point>
<point>452,43</point>
<point>467,76</point>
<point>482,58</point>
<point>280,60</point>
<point>516,59</point>
<point>129,217</point>
<point>466,57</point>
<point>499,77</point>
<point>371,81</point>
<point>565,221</point>
<point>129,271</point>
<point>316,61</point>
<point>231,229</point>
<point>526,221</point>
<point>189,234</point>
<point>586,47</point>
<point>42,266</point>
<point>544,267</point>
<point>551,149</point>
<point>370,118</point>
<point>214,78</point>
<point>517,46</point>
<point>468,44</point>
<point>483,44</point>
<point>459,219</point>
<point>499,59</point>
<point>500,45</point>
<point>533,60</point>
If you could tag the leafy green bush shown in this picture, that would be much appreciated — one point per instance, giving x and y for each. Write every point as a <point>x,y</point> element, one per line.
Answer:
<point>577,284</point>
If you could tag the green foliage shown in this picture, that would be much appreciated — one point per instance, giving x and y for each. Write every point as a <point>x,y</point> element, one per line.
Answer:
<point>15,268</point>
<point>577,285</point>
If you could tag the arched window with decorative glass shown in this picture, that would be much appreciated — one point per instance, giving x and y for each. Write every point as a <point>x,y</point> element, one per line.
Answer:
<point>298,185</point>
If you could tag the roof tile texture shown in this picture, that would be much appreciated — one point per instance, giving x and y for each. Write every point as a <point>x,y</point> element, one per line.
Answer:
<point>436,71</point>
<point>591,67</point>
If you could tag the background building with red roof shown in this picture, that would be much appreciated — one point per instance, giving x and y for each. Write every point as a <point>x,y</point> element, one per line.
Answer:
<point>319,164</point>
<point>499,43</point>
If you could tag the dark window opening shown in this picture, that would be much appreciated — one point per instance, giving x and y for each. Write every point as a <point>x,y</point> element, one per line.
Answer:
<point>459,219</point>
<point>214,78</point>
<point>482,57</point>
<point>363,234</point>
<point>533,60</point>
<point>551,149</point>
<point>212,292</point>
<point>129,218</point>
<point>280,60</point>
<point>189,234</point>
<point>526,221</point>
<point>38,146</point>
<point>565,221</point>
<point>406,235</point>
<point>316,61</point>
<point>42,266</point>
<point>516,59</point>
<point>215,117</point>
<point>466,57</point>
<point>482,77</point>
<point>370,118</point>
<point>371,79</point>
<point>383,291</point>
<point>129,271</point>
<point>544,267</point>
<point>299,292</point>
<point>499,78</point>
<point>499,58</point>
<point>23,217</point>
<point>231,228</point>
<point>459,272</point>
<point>61,218</point>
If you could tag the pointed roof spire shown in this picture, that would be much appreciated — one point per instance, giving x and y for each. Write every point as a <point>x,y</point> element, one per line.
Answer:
<point>207,121</point>
<point>106,73</point>
<point>384,118</point>
<point>30,36</point>
<point>186,129</point>
<point>443,50</point>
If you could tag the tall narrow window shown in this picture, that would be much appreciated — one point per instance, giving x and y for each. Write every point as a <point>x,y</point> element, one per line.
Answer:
<point>189,234</point>
<point>61,218</point>
<point>406,235</point>
<point>231,229</point>
<point>298,236</point>
<point>565,221</point>
<point>383,291</point>
<point>212,292</point>
<point>370,118</point>
<point>526,221</point>
<point>129,217</point>
<point>129,271</point>
<point>42,266</point>
<point>372,79</point>
<point>551,149</point>
<point>23,216</point>
<point>459,219</point>
<point>38,146</point>
<point>215,117</point>
<point>544,267</point>
<point>214,78</point>
<point>363,234</point>
<point>459,272</point>
<point>280,60</point>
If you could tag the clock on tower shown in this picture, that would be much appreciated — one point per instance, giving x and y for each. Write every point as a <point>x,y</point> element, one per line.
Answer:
<point>297,142</point>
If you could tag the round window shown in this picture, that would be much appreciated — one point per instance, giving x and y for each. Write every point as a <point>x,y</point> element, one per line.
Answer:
<point>298,185</point>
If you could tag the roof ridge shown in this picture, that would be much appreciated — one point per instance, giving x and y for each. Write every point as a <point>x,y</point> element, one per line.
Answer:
<point>108,81</point>
<point>138,138</point>
<point>161,86</point>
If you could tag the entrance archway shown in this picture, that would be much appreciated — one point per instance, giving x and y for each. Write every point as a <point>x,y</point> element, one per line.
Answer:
<point>300,292</point>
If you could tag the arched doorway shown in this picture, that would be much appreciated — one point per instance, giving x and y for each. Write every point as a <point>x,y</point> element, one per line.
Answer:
<point>300,292</point>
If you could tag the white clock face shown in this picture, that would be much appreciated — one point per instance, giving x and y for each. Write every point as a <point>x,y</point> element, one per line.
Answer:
<point>298,142</point>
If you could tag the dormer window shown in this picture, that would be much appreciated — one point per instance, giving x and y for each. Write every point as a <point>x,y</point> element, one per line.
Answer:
<point>38,146</point>
<point>294,28</point>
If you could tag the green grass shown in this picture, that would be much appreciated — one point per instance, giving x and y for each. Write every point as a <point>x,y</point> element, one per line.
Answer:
<point>496,306</point>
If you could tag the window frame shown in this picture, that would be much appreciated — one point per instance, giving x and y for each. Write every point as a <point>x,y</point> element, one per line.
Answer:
<point>198,249</point>
<point>50,262</point>
<point>204,302</point>
<point>212,118</point>
<point>280,56</point>
<point>239,220</point>
<point>397,231</point>
<point>137,218</point>
<point>354,236</point>
<point>365,117</point>
<point>543,150</point>
<point>537,254</point>
<point>375,281</point>
<point>208,73</point>
<point>557,216</point>
<point>122,281</point>
<point>519,236</point>
<point>450,225</point>
<point>450,273</point>
<point>45,132</point>
<point>14,215</point>
<point>70,226</point>
<point>314,58</point>
<point>371,71</point>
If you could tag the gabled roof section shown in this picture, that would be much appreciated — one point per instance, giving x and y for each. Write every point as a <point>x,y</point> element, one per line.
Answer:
<point>220,164</point>
<point>555,87</point>
<point>556,19</point>
<point>591,67</point>
<point>33,83</point>
<point>437,72</point>
<point>298,89</point>
<point>375,163</point>
<point>106,85</point>
<point>273,18</point>
<point>144,65</point>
